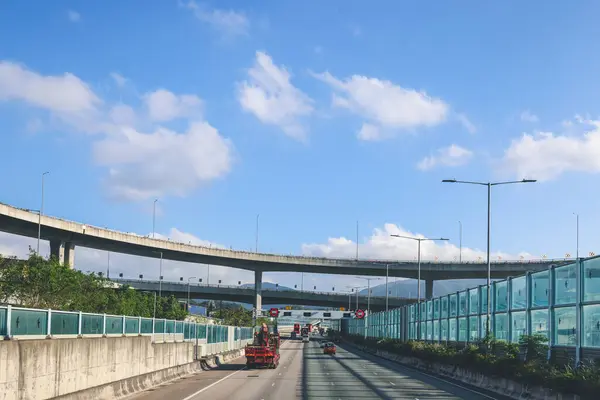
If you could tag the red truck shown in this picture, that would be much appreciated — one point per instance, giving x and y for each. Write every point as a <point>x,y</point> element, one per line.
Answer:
<point>261,355</point>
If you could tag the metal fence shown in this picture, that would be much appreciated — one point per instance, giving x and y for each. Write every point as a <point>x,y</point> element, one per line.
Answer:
<point>33,323</point>
<point>562,303</point>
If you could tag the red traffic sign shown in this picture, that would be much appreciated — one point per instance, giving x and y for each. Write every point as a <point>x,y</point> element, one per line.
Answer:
<point>360,314</point>
<point>274,312</point>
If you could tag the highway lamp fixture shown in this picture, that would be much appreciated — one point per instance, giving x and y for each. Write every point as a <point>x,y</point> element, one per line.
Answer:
<point>489,224</point>
<point>120,274</point>
<point>141,276</point>
<point>40,214</point>
<point>419,240</point>
<point>188,297</point>
<point>160,273</point>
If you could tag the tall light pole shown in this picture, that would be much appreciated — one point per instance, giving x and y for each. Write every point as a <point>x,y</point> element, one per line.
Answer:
<point>489,224</point>
<point>368,301</point>
<point>577,234</point>
<point>160,277</point>
<point>419,240</point>
<point>357,288</point>
<point>460,241</point>
<point>256,236</point>
<point>108,265</point>
<point>356,240</point>
<point>154,218</point>
<point>40,214</point>
<point>188,299</point>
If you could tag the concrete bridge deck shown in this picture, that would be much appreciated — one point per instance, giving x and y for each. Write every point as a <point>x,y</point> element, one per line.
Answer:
<point>269,296</point>
<point>65,235</point>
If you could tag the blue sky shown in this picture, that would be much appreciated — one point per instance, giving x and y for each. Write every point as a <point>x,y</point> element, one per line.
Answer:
<point>190,102</point>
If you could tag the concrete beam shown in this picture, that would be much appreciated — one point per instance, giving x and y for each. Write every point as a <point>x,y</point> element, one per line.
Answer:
<point>429,289</point>
<point>258,290</point>
<point>63,251</point>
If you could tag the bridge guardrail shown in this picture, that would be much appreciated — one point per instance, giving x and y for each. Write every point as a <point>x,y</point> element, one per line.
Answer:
<point>20,322</point>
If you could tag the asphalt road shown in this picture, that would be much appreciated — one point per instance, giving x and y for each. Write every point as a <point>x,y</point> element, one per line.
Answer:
<point>304,372</point>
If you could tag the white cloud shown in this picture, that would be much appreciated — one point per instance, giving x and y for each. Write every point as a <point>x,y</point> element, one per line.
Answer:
<point>228,22</point>
<point>466,122</point>
<point>164,162</point>
<point>165,106</point>
<point>451,156</point>
<point>527,116</point>
<point>381,246</point>
<point>58,93</point>
<point>272,98</point>
<point>73,16</point>
<point>387,107</point>
<point>546,155</point>
<point>119,79</point>
<point>122,114</point>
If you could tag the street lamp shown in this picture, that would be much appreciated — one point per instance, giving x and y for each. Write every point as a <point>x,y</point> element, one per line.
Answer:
<point>489,223</point>
<point>188,299</point>
<point>40,214</point>
<point>160,276</point>
<point>154,218</point>
<point>577,251</point>
<point>368,301</point>
<point>357,288</point>
<point>419,240</point>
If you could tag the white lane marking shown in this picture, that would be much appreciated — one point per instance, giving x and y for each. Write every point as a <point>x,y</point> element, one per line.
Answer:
<point>457,385</point>
<point>273,384</point>
<point>191,396</point>
<point>393,384</point>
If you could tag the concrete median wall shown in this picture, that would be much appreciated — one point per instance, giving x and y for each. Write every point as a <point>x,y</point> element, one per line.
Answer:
<point>69,368</point>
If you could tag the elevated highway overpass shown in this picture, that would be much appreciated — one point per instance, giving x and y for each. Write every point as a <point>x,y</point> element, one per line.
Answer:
<point>269,296</point>
<point>65,235</point>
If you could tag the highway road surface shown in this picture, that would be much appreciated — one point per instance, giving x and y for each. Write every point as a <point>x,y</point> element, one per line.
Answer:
<point>304,372</point>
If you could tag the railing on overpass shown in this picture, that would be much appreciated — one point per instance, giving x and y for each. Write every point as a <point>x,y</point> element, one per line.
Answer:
<point>339,260</point>
<point>561,303</point>
<point>24,323</point>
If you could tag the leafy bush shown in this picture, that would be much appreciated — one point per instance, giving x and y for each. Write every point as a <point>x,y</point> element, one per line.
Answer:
<point>501,359</point>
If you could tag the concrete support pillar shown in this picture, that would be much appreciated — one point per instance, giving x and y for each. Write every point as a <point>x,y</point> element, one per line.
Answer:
<point>258,290</point>
<point>429,289</point>
<point>57,250</point>
<point>63,251</point>
<point>70,254</point>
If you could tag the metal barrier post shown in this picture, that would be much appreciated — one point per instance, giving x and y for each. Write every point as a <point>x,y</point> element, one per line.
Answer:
<point>578,309</point>
<point>79,324</point>
<point>8,321</point>
<point>123,327</point>
<point>49,324</point>
<point>104,324</point>
<point>139,326</point>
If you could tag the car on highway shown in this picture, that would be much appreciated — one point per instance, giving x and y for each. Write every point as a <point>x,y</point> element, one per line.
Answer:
<point>329,348</point>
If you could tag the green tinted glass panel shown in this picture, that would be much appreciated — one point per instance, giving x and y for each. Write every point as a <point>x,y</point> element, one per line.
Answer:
<point>452,330</point>
<point>539,322</point>
<point>3,324</point>
<point>91,324</point>
<point>445,307</point>
<point>179,327</point>
<point>453,305</point>
<point>436,308</point>
<point>26,322</point>
<point>201,332</point>
<point>444,330</point>
<point>565,284</point>
<point>132,325</point>
<point>114,325</point>
<point>170,327</point>
<point>591,280</point>
<point>591,326</point>
<point>565,326</point>
<point>501,326</point>
<point>501,296</point>
<point>159,326</point>
<point>474,301</point>
<point>146,325</point>
<point>64,323</point>
<point>462,329</point>
<point>436,330</point>
<point>540,285</point>
<point>519,293</point>
<point>473,329</point>
<point>462,303</point>
<point>519,325</point>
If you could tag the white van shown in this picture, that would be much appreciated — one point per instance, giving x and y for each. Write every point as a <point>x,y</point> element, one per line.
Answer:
<point>305,339</point>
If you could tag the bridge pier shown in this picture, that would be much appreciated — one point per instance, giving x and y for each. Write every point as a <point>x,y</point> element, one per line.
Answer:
<point>258,291</point>
<point>63,251</point>
<point>429,289</point>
